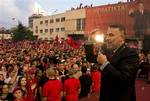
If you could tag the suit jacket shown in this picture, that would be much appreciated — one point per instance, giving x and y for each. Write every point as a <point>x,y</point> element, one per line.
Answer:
<point>118,77</point>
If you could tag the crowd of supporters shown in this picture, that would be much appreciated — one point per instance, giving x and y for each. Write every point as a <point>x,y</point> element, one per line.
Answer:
<point>46,71</point>
<point>43,71</point>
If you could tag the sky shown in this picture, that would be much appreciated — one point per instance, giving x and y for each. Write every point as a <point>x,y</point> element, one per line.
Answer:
<point>12,11</point>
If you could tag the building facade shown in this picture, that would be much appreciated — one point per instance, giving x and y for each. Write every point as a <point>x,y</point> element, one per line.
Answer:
<point>102,16</point>
<point>5,34</point>
<point>75,21</point>
<point>84,19</point>
<point>49,26</point>
<point>63,24</point>
<point>31,18</point>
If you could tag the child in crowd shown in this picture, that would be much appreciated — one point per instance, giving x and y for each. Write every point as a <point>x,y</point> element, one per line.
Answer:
<point>18,94</point>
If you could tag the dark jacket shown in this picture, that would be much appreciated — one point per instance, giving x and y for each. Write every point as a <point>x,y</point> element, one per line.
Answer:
<point>118,77</point>
<point>86,82</point>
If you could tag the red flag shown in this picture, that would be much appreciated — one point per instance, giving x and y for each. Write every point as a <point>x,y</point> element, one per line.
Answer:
<point>76,44</point>
<point>69,40</point>
<point>56,37</point>
<point>56,40</point>
<point>73,43</point>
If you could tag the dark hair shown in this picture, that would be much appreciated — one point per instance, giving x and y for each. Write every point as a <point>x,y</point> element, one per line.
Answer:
<point>94,67</point>
<point>9,68</point>
<point>84,69</point>
<point>18,88</point>
<point>19,80</point>
<point>120,27</point>
<point>4,85</point>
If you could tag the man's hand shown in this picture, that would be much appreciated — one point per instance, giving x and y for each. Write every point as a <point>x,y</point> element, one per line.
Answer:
<point>101,58</point>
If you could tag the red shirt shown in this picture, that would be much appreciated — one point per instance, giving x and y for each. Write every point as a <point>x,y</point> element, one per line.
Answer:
<point>52,90</point>
<point>71,87</point>
<point>96,78</point>
<point>23,99</point>
<point>31,92</point>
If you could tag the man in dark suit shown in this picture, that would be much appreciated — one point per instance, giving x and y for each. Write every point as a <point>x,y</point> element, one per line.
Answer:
<point>141,20</point>
<point>119,70</point>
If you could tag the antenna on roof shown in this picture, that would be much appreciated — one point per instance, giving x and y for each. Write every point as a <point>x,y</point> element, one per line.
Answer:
<point>38,11</point>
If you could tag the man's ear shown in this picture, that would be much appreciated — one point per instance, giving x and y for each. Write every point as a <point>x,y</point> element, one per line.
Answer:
<point>122,38</point>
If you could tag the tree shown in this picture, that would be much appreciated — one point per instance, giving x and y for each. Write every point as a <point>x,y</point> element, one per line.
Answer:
<point>21,32</point>
<point>29,35</point>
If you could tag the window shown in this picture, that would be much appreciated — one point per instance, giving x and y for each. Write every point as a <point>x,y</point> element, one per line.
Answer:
<point>57,20</point>
<point>51,30</point>
<point>83,24</point>
<point>46,22</point>
<point>41,31</point>
<point>57,29</point>
<point>80,24</point>
<point>62,19</point>
<point>36,31</point>
<point>46,30</point>
<point>62,29</point>
<point>51,20</point>
<point>41,22</point>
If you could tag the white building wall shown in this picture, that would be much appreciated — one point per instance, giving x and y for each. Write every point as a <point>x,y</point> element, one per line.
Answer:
<point>45,26</point>
<point>69,25</point>
<point>5,36</point>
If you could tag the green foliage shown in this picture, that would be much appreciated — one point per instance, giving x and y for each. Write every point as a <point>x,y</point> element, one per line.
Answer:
<point>29,35</point>
<point>21,33</point>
